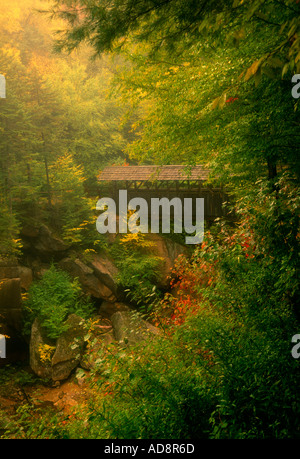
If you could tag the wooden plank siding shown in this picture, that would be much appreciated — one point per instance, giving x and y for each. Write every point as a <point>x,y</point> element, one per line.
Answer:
<point>163,181</point>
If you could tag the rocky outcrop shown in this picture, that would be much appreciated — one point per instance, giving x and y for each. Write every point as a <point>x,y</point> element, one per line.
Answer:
<point>85,346</point>
<point>69,348</point>
<point>17,272</point>
<point>129,328</point>
<point>10,302</point>
<point>97,274</point>
<point>91,284</point>
<point>107,309</point>
<point>105,270</point>
<point>56,360</point>
<point>42,246</point>
<point>42,242</point>
<point>41,349</point>
<point>168,250</point>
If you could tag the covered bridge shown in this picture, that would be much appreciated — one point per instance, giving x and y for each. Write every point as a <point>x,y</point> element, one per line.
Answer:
<point>163,181</point>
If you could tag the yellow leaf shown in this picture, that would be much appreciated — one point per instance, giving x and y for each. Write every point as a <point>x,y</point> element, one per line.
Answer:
<point>253,69</point>
<point>222,100</point>
<point>215,103</point>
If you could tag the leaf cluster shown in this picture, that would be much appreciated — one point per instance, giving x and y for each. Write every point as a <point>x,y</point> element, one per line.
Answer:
<point>51,300</point>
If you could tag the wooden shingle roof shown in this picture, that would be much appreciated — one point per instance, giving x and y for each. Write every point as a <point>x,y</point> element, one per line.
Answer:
<point>151,173</point>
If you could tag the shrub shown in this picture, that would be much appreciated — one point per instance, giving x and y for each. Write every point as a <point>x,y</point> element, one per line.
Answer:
<point>257,376</point>
<point>152,391</point>
<point>52,299</point>
<point>139,269</point>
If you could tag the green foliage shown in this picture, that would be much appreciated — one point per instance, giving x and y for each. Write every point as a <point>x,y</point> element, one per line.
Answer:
<point>16,373</point>
<point>264,265</point>
<point>193,113</point>
<point>10,244</point>
<point>236,348</point>
<point>257,396</point>
<point>216,94</point>
<point>153,392</point>
<point>140,269</point>
<point>161,394</point>
<point>72,210</point>
<point>52,299</point>
<point>30,423</point>
<point>56,107</point>
<point>249,314</point>
<point>173,26</point>
<point>227,371</point>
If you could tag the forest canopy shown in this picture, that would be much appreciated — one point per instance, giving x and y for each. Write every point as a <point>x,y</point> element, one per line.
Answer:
<point>190,59</point>
<point>58,125</point>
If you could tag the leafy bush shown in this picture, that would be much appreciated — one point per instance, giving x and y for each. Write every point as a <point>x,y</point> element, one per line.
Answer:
<point>242,285</point>
<point>75,222</point>
<point>256,394</point>
<point>52,299</point>
<point>156,391</point>
<point>139,269</point>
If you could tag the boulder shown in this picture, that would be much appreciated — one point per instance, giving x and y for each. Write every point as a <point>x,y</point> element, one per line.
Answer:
<point>89,282</point>
<point>30,231</point>
<point>129,328</point>
<point>56,360</point>
<point>10,303</point>
<point>44,243</point>
<point>168,250</point>
<point>101,336</point>
<point>17,271</point>
<point>39,343</point>
<point>26,277</point>
<point>107,309</point>
<point>69,348</point>
<point>105,270</point>
<point>48,242</point>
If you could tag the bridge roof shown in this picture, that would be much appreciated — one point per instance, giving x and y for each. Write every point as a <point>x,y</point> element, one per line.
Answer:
<point>151,173</point>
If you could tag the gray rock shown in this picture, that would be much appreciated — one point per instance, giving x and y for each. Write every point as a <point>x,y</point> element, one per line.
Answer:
<point>105,270</point>
<point>89,282</point>
<point>107,308</point>
<point>38,341</point>
<point>130,328</point>
<point>69,348</point>
<point>56,360</point>
<point>168,251</point>
<point>16,271</point>
<point>30,231</point>
<point>47,242</point>
<point>26,277</point>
